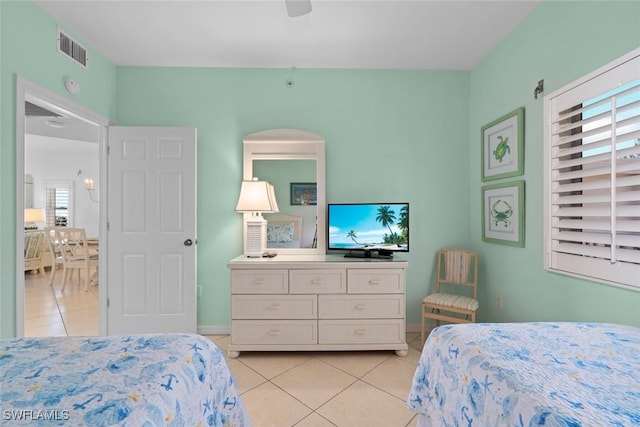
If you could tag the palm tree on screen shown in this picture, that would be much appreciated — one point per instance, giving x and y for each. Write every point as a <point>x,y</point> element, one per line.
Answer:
<point>352,234</point>
<point>387,217</point>
<point>403,223</point>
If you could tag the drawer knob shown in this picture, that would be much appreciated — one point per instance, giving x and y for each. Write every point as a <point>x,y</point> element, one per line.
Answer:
<point>274,307</point>
<point>316,281</point>
<point>360,306</point>
<point>259,282</point>
<point>360,332</point>
<point>374,281</point>
<point>273,332</point>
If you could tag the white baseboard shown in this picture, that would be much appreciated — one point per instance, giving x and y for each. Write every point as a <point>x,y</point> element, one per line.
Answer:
<point>214,329</point>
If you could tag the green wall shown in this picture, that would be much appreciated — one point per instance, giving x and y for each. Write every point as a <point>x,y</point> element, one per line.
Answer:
<point>390,136</point>
<point>28,49</point>
<point>559,42</point>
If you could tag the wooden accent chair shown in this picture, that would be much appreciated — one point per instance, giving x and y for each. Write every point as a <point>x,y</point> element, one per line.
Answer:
<point>72,244</point>
<point>455,269</point>
<point>33,246</point>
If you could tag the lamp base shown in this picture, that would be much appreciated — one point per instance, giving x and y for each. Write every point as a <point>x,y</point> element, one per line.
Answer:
<point>255,237</point>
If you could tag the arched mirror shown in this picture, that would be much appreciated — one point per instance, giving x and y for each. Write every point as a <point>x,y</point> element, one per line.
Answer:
<point>293,161</point>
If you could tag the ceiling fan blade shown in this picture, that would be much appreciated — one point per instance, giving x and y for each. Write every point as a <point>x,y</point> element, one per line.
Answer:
<point>297,7</point>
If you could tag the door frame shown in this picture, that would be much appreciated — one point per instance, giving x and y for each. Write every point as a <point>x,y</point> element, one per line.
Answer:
<point>29,91</point>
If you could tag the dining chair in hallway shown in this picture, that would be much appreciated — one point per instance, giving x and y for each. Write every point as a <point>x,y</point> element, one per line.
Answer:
<point>72,243</point>
<point>54,251</point>
<point>33,245</point>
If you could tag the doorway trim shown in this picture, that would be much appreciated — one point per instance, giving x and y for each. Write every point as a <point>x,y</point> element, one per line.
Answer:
<point>29,91</point>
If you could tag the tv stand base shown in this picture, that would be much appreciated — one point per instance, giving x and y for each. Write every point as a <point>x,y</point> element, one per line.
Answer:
<point>374,253</point>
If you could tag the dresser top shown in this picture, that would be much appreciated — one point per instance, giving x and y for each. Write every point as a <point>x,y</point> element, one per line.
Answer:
<point>320,261</point>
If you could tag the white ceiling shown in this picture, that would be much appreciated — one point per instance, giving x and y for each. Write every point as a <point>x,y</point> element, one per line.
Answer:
<point>63,127</point>
<point>352,34</point>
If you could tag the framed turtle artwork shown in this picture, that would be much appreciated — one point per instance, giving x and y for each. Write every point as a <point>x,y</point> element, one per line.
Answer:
<point>503,146</point>
<point>503,213</point>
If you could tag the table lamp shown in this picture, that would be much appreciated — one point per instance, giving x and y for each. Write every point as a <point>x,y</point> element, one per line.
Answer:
<point>31,216</point>
<point>256,198</point>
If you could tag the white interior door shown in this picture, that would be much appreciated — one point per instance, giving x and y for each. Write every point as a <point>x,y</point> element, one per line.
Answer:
<point>151,255</point>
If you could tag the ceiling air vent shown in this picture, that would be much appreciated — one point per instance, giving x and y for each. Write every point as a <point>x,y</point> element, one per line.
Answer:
<point>72,49</point>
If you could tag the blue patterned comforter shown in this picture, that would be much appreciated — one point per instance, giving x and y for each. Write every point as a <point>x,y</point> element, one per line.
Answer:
<point>137,380</point>
<point>529,374</point>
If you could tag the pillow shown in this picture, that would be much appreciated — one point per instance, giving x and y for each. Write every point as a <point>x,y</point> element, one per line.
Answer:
<point>281,233</point>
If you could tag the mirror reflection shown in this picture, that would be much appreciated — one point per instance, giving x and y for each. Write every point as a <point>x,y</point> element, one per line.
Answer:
<point>295,226</point>
<point>286,157</point>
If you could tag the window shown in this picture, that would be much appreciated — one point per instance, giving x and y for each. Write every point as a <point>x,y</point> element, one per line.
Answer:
<point>592,176</point>
<point>58,205</point>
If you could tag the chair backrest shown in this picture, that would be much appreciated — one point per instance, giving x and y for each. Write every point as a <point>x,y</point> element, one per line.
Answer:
<point>33,241</point>
<point>72,243</point>
<point>50,233</point>
<point>50,241</point>
<point>457,267</point>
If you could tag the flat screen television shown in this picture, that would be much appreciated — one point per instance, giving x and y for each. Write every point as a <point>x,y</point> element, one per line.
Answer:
<point>369,230</point>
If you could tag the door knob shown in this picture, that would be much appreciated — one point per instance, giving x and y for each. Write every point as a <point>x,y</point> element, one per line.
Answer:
<point>188,242</point>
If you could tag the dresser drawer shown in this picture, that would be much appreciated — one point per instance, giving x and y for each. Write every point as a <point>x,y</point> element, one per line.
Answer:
<point>274,307</point>
<point>259,281</point>
<point>375,281</point>
<point>384,306</point>
<point>329,281</point>
<point>386,331</point>
<point>274,332</point>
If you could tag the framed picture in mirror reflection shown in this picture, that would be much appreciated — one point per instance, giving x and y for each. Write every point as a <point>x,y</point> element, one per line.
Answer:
<point>304,194</point>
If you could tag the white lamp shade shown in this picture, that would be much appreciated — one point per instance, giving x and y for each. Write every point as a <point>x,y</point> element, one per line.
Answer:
<point>33,215</point>
<point>256,196</point>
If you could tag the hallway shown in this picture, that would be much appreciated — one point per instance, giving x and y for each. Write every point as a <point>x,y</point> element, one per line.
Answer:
<point>51,312</point>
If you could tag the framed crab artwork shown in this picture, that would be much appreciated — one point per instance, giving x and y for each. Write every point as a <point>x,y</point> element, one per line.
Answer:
<point>503,146</point>
<point>503,213</point>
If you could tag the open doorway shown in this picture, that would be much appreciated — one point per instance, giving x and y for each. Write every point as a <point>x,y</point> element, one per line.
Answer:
<point>59,170</point>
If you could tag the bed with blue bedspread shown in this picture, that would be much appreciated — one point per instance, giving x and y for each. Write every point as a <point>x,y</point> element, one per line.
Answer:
<point>136,380</point>
<point>529,374</point>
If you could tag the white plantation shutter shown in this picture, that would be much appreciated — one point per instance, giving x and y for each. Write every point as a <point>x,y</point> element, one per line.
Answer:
<point>50,207</point>
<point>58,205</point>
<point>63,207</point>
<point>592,173</point>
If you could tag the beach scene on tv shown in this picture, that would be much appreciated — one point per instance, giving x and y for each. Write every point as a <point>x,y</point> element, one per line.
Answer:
<point>369,226</point>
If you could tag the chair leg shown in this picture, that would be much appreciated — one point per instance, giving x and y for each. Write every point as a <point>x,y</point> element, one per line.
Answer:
<point>94,277</point>
<point>53,274</point>
<point>65,272</point>
<point>422,326</point>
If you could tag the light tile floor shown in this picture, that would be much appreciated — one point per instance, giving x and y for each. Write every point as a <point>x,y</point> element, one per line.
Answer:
<point>49,311</point>
<point>279,389</point>
<point>304,389</point>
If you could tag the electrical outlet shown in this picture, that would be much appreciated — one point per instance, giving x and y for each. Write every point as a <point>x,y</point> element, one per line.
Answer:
<point>199,291</point>
<point>498,301</point>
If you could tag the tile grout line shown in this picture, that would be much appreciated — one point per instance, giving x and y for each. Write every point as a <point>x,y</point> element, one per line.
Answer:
<point>315,411</point>
<point>64,325</point>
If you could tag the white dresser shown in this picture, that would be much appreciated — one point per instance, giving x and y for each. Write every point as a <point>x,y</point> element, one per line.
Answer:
<point>317,302</point>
